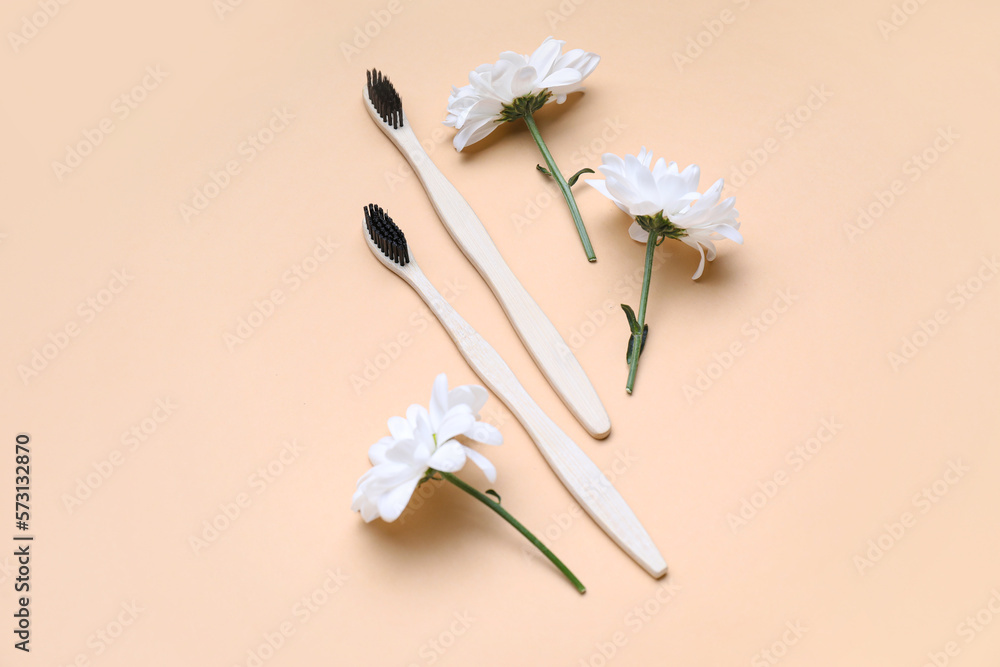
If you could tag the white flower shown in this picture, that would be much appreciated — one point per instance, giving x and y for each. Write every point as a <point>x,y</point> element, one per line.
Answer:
<point>424,439</point>
<point>475,109</point>
<point>696,219</point>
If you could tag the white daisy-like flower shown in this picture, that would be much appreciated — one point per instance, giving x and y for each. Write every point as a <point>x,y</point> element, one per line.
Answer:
<point>512,82</point>
<point>425,446</point>
<point>666,201</point>
<point>424,440</point>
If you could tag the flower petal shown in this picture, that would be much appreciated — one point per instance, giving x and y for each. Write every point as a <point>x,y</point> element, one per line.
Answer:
<point>405,452</point>
<point>599,185</point>
<point>729,232</point>
<point>456,421</point>
<point>414,412</point>
<point>691,176</point>
<point>602,187</point>
<point>488,434</point>
<point>484,463</point>
<point>561,78</point>
<point>377,452</point>
<point>472,110</point>
<point>621,189</point>
<point>469,394</point>
<point>582,61</point>
<point>637,233</point>
<point>362,503</point>
<point>473,132</point>
<point>523,82</point>
<point>612,163</point>
<point>392,503</point>
<point>701,264</point>
<point>422,431</point>
<point>710,198</point>
<point>545,55</point>
<point>448,457</point>
<point>400,428</point>
<point>439,400</point>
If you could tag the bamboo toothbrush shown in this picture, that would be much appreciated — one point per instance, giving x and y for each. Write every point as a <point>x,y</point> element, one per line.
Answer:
<point>536,331</point>
<point>577,472</point>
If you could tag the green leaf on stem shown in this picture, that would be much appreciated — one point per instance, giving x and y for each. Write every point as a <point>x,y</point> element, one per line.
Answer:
<point>491,492</point>
<point>633,324</point>
<point>572,179</point>
<point>631,340</point>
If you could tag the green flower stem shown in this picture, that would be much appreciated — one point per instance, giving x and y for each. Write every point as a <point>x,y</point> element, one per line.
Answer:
<point>633,364</point>
<point>567,193</point>
<point>495,506</point>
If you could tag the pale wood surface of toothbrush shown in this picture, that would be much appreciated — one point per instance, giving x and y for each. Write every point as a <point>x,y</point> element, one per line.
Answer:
<point>539,336</point>
<point>578,473</point>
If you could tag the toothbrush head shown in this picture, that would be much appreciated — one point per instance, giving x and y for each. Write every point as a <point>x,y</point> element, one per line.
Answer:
<point>385,99</point>
<point>386,235</point>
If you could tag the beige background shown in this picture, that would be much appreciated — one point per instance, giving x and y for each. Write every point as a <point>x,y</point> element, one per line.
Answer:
<point>452,585</point>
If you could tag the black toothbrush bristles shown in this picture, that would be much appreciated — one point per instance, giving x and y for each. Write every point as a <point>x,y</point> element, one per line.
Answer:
<point>386,235</point>
<point>385,99</point>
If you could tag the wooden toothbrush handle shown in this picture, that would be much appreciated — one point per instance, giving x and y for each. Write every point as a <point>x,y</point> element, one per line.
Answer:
<point>539,336</point>
<point>577,472</point>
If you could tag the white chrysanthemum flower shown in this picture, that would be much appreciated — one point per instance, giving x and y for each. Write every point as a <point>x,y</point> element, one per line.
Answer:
<point>425,439</point>
<point>531,81</point>
<point>666,201</point>
<point>423,446</point>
